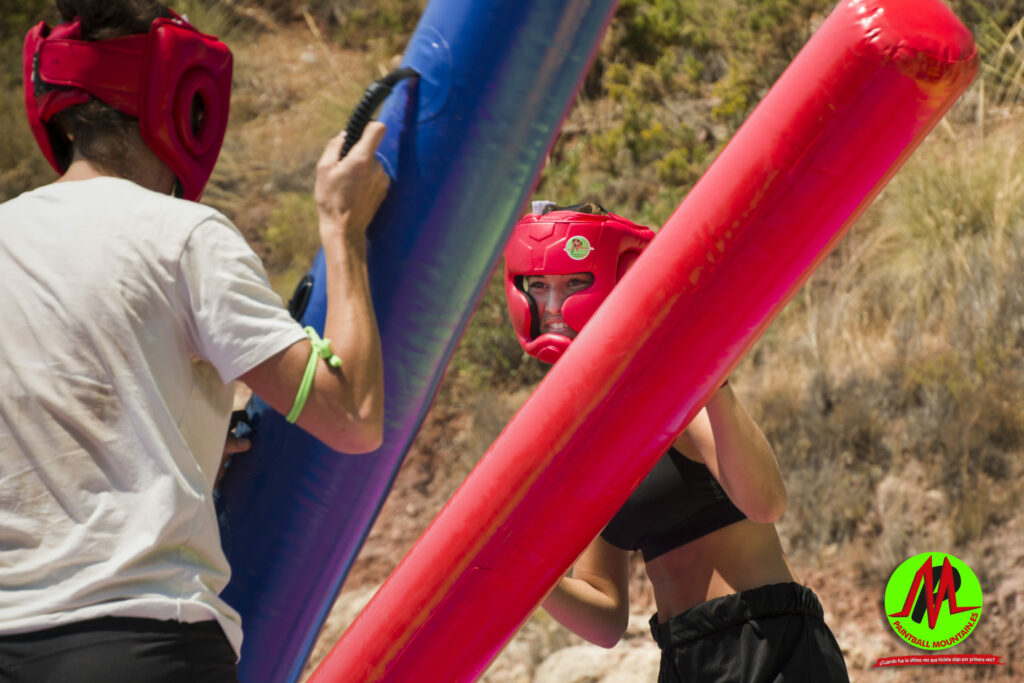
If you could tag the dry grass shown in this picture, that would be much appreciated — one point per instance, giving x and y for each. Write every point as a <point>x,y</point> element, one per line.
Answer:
<point>904,350</point>
<point>22,165</point>
<point>292,91</point>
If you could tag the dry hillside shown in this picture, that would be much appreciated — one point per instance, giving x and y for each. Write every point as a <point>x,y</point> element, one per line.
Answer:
<point>892,387</point>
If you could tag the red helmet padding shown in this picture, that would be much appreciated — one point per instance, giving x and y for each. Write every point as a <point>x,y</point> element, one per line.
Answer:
<point>538,246</point>
<point>154,77</point>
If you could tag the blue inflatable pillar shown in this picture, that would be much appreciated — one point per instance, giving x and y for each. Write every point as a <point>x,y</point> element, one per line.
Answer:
<point>465,144</point>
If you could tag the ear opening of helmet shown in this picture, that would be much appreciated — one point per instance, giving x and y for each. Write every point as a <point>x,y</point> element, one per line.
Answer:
<point>175,80</point>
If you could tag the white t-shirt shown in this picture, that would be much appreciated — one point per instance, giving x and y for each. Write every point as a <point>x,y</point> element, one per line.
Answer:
<point>124,316</point>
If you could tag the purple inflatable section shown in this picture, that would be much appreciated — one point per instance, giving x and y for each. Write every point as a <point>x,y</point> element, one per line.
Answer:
<point>465,144</point>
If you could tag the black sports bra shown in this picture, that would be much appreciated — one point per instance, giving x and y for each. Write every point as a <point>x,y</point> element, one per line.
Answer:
<point>679,501</point>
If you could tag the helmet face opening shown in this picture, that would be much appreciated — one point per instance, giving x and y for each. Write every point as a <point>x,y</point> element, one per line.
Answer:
<point>564,242</point>
<point>175,80</point>
<point>548,294</point>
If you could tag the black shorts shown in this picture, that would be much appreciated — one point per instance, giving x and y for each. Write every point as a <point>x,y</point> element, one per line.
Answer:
<point>773,633</point>
<point>120,650</point>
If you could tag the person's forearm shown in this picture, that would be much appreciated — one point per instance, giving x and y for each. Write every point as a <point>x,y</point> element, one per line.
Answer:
<point>586,611</point>
<point>344,407</point>
<point>351,325</point>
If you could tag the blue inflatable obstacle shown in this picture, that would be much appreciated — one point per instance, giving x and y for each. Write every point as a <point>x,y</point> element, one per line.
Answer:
<point>465,144</point>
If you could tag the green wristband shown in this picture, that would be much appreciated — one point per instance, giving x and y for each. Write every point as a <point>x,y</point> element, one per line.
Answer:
<point>319,347</point>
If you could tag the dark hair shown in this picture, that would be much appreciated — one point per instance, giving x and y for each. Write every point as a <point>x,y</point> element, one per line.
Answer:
<point>586,207</point>
<point>99,132</point>
<point>103,19</point>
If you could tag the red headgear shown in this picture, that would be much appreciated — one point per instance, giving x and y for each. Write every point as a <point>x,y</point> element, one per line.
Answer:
<point>559,243</point>
<point>173,79</point>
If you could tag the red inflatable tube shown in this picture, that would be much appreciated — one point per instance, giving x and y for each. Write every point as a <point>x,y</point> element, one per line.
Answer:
<point>866,89</point>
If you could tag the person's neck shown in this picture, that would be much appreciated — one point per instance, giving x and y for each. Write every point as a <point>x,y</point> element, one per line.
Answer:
<point>82,169</point>
<point>147,170</point>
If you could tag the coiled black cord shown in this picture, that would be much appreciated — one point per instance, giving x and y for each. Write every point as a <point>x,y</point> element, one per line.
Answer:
<point>372,98</point>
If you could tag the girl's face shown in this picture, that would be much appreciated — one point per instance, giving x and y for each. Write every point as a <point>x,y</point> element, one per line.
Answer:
<point>549,292</point>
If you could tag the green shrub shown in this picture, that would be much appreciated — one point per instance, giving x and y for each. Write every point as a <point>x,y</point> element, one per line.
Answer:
<point>488,357</point>
<point>291,238</point>
<point>358,23</point>
<point>22,165</point>
<point>16,18</point>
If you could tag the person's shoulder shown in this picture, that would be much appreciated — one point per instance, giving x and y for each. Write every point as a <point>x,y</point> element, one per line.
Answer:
<point>176,205</point>
<point>166,212</point>
<point>28,195</point>
<point>121,209</point>
<point>112,188</point>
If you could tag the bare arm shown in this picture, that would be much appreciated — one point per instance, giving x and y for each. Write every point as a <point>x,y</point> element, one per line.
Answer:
<point>345,408</point>
<point>725,438</point>
<point>593,602</point>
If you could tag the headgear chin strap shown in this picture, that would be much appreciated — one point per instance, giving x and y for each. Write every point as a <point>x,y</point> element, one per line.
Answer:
<point>175,80</point>
<point>562,242</point>
<point>547,347</point>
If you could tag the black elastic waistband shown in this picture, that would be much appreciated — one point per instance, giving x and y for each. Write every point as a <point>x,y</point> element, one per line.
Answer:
<point>116,625</point>
<point>732,610</point>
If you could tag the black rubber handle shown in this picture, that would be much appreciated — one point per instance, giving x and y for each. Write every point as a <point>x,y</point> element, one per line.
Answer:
<point>371,99</point>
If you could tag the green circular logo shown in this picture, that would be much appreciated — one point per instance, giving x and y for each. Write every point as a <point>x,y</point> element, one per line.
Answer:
<point>578,248</point>
<point>933,601</point>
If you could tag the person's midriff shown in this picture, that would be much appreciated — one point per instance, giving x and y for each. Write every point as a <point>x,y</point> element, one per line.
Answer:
<point>735,558</point>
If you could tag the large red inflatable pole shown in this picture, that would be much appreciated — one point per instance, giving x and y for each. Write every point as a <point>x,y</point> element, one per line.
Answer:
<point>866,89</point>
